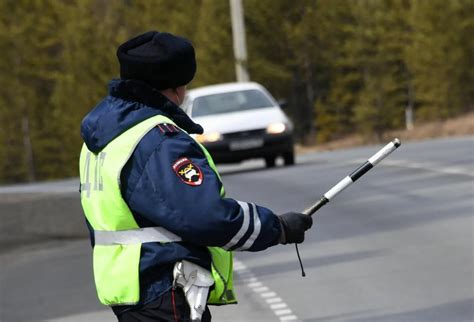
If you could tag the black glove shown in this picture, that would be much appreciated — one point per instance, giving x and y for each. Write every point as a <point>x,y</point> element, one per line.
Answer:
<point>293,226</point>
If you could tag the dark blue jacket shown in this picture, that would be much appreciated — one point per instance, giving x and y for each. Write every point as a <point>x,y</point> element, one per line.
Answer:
<point>157,196</point>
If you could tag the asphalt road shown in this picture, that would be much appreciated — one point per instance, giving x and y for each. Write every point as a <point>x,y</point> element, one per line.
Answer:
<point>395,246</point>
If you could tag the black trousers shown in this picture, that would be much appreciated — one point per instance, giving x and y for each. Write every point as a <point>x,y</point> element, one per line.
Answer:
<point>162,310</point>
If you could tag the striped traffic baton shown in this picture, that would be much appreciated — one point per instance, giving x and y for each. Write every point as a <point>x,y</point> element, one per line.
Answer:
<point>350,179</point>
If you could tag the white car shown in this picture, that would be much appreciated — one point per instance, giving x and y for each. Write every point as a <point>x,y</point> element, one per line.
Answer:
<point>241,121</point>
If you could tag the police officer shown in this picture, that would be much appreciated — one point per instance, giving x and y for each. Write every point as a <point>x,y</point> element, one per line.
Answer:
<point>153,198</point>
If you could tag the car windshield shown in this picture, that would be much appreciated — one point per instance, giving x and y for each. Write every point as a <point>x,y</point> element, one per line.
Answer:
<point>230,102</point>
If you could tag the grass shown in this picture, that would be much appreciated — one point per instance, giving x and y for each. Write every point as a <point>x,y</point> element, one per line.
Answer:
<point>459,126</point>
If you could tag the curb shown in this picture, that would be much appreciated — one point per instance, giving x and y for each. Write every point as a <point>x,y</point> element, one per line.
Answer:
<point>27,216</point>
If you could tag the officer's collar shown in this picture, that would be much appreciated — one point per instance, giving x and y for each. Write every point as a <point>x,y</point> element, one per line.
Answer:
<point>137,91</point>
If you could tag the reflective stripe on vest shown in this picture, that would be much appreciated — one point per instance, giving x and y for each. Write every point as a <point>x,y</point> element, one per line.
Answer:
<point>118,238</point>
<point>134,236</point>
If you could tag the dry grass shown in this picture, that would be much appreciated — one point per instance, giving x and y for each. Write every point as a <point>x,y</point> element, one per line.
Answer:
<point>459,126</point>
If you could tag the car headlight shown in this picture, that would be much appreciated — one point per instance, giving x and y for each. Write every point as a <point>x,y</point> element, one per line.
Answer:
<point>209,137</point>
<point>276,128</point>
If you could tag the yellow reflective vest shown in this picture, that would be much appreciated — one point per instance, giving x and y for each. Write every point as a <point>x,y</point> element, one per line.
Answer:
<point>118,238</point>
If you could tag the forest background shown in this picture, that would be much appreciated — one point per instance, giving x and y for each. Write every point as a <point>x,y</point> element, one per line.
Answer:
<point>342,66</point>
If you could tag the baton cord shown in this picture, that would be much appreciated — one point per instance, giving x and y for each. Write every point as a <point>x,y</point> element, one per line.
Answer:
<point>299,259</point>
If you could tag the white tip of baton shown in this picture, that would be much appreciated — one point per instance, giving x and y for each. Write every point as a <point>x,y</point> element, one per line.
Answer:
<point>397,142</point>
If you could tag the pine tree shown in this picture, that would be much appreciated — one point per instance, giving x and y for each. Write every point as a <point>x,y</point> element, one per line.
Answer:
<point>340,52</point>
<point>269,50</point>
<point>89,39</point>
<point>283,55</point>
<point>30,60</point>
<point>213,43</point>
<point>343,66</point>
<point>440,56</point>
<point>382,100</point>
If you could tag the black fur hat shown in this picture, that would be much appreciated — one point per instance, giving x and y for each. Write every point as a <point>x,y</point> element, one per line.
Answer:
<point>160,59</point>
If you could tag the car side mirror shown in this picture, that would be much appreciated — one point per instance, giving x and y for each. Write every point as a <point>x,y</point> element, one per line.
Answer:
<point>283,103</point>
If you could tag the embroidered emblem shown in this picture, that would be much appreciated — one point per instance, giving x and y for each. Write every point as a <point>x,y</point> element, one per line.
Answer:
<point>188,172</point>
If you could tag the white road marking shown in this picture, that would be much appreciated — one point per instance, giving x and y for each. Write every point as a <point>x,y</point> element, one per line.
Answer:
<point>427,166</point>
<point>239,267</point>
<point>250,279</point>
<point>274,300</point>
<point>276,304</point>
<point>260,289</point>
<point>283,312</point>
<point>255,284</point>
<point>268,294</point>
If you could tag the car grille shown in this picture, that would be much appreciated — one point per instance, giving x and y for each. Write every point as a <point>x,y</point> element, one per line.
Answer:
<point>244,134</point>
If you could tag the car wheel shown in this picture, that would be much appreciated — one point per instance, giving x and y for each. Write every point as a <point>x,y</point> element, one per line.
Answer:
<point>289,158</point>
<point>270,161</point>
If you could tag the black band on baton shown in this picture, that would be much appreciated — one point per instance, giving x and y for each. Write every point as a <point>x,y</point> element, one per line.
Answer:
<point>359,172</point>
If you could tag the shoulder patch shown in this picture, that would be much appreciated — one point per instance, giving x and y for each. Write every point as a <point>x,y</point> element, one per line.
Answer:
<point>188,172</point>
<point>167,128</point>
